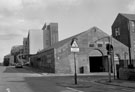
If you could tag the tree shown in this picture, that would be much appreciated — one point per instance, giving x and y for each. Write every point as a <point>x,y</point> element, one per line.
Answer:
<point>6,62</point>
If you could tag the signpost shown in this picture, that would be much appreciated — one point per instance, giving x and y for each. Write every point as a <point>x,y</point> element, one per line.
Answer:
<point>74,49</point>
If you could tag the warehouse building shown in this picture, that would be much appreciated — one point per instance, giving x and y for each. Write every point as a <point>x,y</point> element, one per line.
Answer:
<point>92,55</point>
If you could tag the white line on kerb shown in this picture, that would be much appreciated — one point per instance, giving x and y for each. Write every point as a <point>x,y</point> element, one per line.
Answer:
<point>74,90</point>
<point>8,90</point>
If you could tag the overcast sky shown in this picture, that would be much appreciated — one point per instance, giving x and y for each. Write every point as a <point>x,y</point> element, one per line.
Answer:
<point>73,16</point>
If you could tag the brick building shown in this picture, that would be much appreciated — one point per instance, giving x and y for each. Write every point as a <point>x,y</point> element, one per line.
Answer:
<point>123,29</point>
<point>92,56</point>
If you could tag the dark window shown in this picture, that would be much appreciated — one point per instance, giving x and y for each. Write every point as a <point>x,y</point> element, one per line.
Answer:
<point>91,45</point>
<point>100,45</point>
<point>117,31</point>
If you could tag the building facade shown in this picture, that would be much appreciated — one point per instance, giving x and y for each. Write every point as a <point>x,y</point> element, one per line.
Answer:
<point>50,34</point>
<point>92,56</point>
<point>35,41</point>
<point>26,48</point>
<point>123,29</point>
<point>9,59</point>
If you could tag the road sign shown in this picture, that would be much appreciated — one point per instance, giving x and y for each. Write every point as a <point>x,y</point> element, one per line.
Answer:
<point>74,46</point>
<point>74,49</point>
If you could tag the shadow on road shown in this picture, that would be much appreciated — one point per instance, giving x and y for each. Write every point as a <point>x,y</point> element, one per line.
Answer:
<point>37,84</point>
<point>55,83</point>
<point>25,69</point>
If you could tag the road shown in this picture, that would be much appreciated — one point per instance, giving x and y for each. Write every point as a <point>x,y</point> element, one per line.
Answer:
<point>27,80</point>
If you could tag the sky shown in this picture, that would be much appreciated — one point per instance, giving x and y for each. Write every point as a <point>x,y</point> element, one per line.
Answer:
<point>72,16</point>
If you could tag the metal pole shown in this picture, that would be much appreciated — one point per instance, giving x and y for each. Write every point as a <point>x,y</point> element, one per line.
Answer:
<point>75,76</point>
<point>109,67</point>
<point>109,62</point>
<point>129,55</point>
<point>113,64</point>
<point>129,46</point>
<point>112,58</point>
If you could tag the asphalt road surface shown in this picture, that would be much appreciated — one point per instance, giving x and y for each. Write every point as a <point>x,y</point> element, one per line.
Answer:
<point>27,80</point>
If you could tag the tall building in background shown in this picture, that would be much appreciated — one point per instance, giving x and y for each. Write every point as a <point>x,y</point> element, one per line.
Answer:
<point>123,29</point>
<point>26,48</point>
<point>50,34</point>
<point>35,37</point>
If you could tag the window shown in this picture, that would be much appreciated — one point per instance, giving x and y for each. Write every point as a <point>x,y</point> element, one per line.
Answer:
<point>132,26</point>
<point>117,31</point>
<point>91,45</point>
<point>100,45</point>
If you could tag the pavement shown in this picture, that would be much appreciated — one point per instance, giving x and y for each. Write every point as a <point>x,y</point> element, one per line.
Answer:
<point>86,81</point>
<point>128,86</point>
<point>117,82</point>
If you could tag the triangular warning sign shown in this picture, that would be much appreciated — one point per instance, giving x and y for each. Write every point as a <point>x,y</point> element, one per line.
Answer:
<point>74,44</point>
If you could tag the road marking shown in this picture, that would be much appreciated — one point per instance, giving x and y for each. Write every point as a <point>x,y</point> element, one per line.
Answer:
<point>74,90</point>
<point>8,90</point>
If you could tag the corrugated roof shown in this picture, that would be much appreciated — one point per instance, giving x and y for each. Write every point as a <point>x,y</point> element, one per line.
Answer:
<point>129,16</point>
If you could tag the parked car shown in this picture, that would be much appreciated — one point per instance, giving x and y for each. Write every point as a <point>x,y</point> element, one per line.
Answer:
<point>18,65</point>
<point>27,63</point>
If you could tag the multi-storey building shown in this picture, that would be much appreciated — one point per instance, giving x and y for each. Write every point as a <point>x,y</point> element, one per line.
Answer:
<point>50,34</point>
<point>123,29</point>
<point>35,40</point>
<point>26,48</point>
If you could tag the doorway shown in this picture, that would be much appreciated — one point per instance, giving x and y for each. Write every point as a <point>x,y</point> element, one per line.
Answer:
<point>96,64</point>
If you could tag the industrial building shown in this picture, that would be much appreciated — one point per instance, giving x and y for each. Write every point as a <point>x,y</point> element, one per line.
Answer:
<point>92,56</point>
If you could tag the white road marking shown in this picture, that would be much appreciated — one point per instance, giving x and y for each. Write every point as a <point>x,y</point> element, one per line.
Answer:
<point>8,90</point>
<point>74,90</point>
